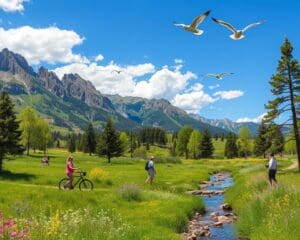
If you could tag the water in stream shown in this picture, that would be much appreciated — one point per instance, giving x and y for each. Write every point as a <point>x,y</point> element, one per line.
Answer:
<point>212,204</point>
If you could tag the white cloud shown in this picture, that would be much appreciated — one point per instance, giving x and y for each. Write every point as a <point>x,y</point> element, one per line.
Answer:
<point>255,120</point>
<point>12,5</point>
<point>99,58</point>
<point>193,99</point>
<point>51,44</point>
<point>229,94</point>
<point>212,87</point>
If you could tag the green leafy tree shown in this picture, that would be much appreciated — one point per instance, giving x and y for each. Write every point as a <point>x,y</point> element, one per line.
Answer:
<point>10,135</point>
<point>41,135</point>
<point>28,124</point>
<point>207,147</point>
<point>109,143</point>
<point>244,142</point>
<point>90,140</point>
<point>285,85</point>
<point>194,145</point>
<point>183,139</point>
<point>231,149</point>
<point>261,143</point>
<point>124,142</point>
<point>290,144</point>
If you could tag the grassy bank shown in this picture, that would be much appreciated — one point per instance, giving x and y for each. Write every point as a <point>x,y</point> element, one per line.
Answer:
<point>263,212</point>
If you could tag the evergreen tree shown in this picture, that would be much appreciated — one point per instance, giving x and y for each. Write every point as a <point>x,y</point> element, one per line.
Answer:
<point>194,144</point>
<point>173,148</point>
<point>261,143</point>
<point>183,139</point>
<point>9,129</point>
<point>207,148</point>
<point>286,87</point>
<point>28,124</point>
<point>275,139</point>
<point>231,149</point>
<point>109,143</point>
<point>58,143</point>
<point>245,142</point>
<point>90,140</point>
<point>72,143</point>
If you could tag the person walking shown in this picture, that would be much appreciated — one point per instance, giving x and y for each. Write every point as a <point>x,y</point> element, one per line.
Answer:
<point>150,170</point>
<point>272,167</point>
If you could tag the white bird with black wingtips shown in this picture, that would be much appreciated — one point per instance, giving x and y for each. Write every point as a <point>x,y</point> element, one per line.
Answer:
<point>193,27</point>
<point>237,34</point>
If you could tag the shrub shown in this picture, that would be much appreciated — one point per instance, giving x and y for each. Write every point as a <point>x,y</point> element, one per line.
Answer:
<point>98,175</point>
<point>140,152</point>
<point>130,192</point>
<point>160,159</point>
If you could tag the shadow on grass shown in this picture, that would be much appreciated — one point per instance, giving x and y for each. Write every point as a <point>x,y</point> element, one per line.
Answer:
<point>7,175</point>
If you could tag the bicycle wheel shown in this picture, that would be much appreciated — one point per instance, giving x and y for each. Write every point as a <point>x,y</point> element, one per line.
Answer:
<point>62,184</point>
<point>86,185</point>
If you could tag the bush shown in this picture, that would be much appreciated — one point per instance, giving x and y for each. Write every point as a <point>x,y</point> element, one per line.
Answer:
<point>98,175</point>
<point>130,192</point>
<point>160,159</point>
<point>140,152</point>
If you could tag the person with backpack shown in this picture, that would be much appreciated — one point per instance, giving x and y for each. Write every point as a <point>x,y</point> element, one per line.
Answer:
<point>149,167</point>
<point>272,167</point>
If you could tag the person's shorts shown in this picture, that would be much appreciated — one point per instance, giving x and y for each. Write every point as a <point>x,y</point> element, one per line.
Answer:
<point>272,174</point>
<point>151,172</point>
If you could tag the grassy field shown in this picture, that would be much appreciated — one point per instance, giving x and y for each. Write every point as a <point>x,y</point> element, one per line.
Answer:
<point>122,206</point>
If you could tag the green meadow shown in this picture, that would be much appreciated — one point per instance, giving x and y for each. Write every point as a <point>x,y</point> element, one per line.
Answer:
<point>122,206</point>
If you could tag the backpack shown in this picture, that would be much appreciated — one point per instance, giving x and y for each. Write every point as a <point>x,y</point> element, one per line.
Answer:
<point>146,166</point>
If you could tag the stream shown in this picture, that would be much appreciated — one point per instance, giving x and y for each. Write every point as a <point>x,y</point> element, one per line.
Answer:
<point>213,203</point>
<point>217,223</point>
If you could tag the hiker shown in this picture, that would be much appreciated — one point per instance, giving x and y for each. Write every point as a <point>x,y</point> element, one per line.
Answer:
<point>150,169</point>
<point>69,171</point>
<point>272,168</point>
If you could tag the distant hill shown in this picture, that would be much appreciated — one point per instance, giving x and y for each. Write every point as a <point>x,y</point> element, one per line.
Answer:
<point>71,102</point>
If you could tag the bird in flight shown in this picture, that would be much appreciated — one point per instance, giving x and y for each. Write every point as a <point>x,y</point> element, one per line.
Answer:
<point>193,27</point>
<point>218,76</point>
<point>237,34</point>
<point>117,71</point>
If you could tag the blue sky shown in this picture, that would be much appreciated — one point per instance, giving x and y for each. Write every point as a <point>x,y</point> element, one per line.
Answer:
<point>157,58</point>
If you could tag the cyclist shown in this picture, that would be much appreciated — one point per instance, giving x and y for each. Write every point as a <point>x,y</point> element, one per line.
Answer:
<point>69,171</point>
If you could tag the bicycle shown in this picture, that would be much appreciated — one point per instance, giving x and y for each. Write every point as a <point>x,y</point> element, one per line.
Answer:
<point>84,184</point>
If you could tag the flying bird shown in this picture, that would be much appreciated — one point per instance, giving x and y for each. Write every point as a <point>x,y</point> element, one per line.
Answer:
<point>218,76</point>
<point>193,27</point>
<point>237,34</point>
<point>117,71</point>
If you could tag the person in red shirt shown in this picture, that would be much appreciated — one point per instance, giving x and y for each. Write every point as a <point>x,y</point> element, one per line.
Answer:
<point>69,171</point>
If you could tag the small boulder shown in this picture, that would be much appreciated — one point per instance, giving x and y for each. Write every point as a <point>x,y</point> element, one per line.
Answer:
<point>226,207</point>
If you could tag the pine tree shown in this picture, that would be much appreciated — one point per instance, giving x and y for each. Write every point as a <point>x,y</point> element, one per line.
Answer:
<point>207,148</point>
<point>109,143</point>
<point>245,142</point>
<point>286,87</point>
<point>90,138</point>
<point>183,139</point>
<point>231,149</point>
<point>9,129</point>
<point>261,143</point>
<point>194,145</point>
<point>72,143</point>
<point>275,139</point>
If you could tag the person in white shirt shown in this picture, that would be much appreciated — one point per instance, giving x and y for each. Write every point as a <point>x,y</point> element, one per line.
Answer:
<point>151,171</point>
<point>272,167</point>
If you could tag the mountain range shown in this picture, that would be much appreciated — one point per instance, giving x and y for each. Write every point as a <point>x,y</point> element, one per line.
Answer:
<point>72,102</point>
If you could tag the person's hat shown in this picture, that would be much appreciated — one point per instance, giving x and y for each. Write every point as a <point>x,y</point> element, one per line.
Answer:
<point>152,157</point>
